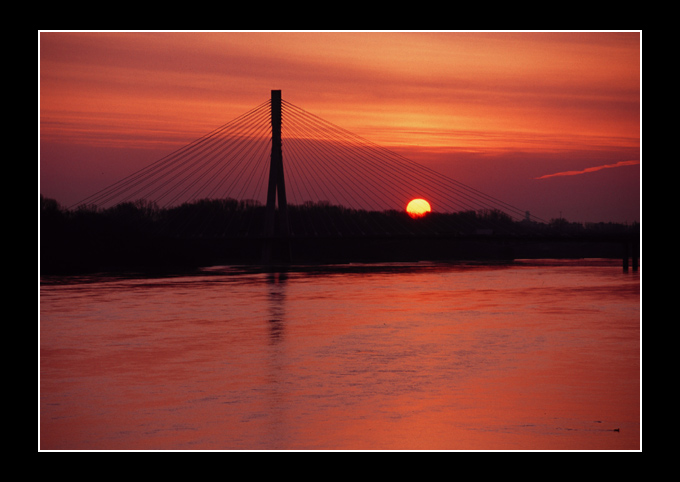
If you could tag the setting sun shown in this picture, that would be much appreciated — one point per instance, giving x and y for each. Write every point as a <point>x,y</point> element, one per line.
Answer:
<point>418,208</point>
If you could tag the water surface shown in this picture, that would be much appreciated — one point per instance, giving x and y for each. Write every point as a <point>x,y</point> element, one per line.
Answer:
<point>520,356</point>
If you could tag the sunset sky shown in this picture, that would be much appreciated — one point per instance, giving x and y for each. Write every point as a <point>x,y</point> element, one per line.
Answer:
<point>546,121</point>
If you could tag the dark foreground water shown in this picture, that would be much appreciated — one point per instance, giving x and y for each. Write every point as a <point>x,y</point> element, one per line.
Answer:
<point>523,356</point>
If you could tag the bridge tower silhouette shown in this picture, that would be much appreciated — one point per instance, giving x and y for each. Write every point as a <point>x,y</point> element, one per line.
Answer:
<point>276,190</point>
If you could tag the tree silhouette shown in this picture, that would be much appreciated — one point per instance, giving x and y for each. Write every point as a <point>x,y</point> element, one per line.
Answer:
<point>140,235</point>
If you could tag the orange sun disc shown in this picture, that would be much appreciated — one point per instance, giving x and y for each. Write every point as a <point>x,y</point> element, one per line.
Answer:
<point>418,208</point>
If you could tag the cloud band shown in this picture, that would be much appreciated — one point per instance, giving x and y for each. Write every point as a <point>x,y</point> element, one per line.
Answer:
<point>590,169</point>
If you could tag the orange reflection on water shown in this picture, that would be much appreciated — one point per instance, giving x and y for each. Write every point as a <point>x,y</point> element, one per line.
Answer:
<point>450,359</point>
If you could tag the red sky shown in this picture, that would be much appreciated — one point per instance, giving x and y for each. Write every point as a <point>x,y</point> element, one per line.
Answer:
<point>546,121</point>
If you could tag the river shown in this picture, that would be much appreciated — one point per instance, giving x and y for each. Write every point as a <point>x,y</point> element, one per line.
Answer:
<point>528,355</point>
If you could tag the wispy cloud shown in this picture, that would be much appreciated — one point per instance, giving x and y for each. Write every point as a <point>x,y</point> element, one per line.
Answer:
<point>590,169</point>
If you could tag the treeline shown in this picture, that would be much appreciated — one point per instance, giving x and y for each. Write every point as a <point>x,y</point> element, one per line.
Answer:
<point>140,234</point>
<point>232,218</point>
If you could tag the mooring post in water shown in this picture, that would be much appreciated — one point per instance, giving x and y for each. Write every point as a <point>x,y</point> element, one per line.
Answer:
<point>631,253</point>
<point>276,187</point>
<point>625,256</point>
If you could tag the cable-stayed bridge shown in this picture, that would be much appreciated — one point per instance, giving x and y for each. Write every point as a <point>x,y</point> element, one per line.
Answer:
<point>281,173</point>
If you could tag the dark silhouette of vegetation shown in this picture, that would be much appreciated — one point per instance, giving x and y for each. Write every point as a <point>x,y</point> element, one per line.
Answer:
<point>141,236</point>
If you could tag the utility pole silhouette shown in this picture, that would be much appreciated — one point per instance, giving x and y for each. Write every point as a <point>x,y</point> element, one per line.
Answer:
<point>276,190</point>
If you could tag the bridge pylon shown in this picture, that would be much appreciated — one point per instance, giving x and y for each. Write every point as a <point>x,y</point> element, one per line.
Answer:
<point>276,241</point>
